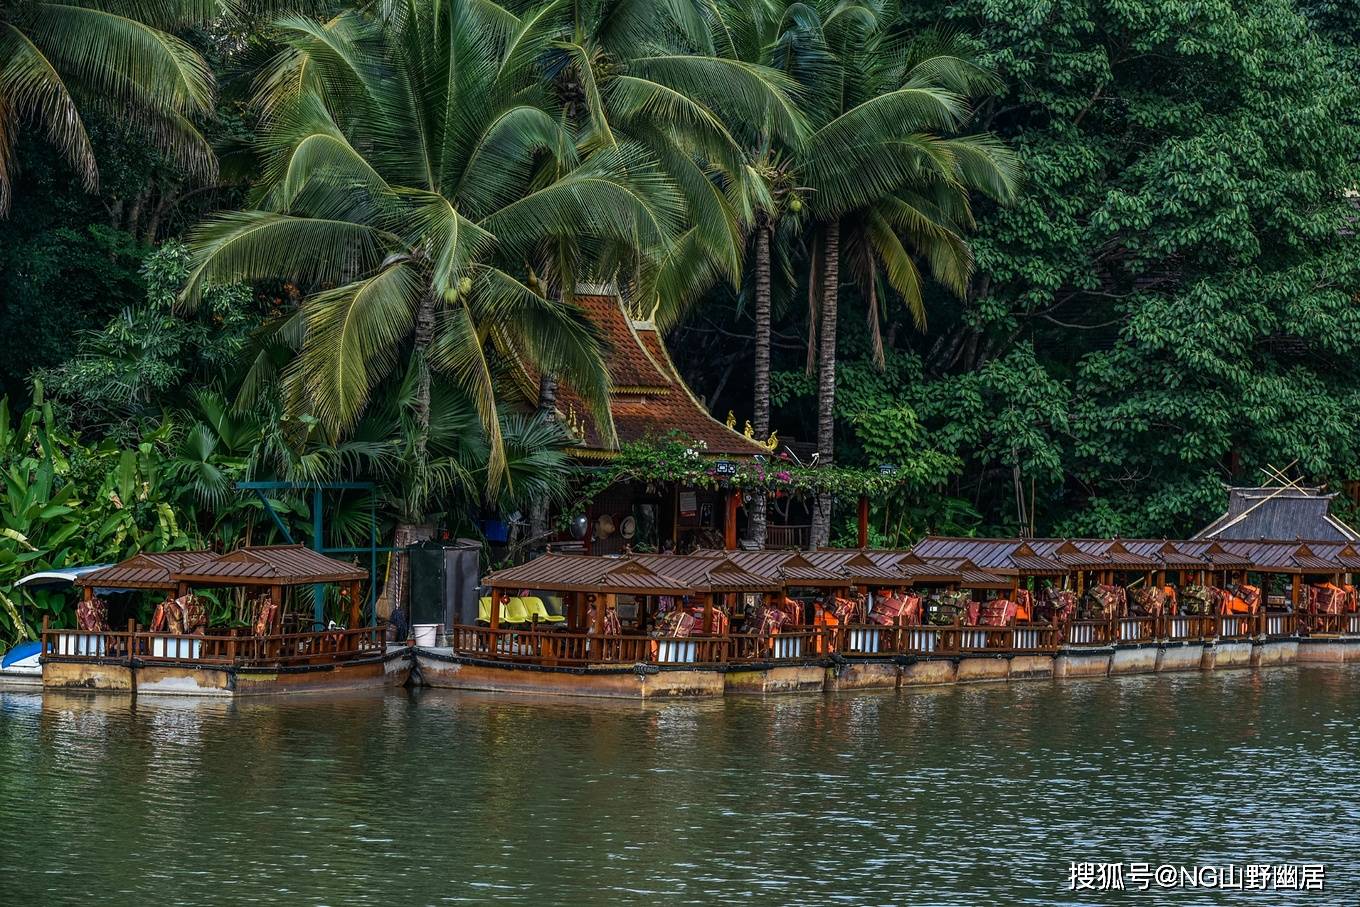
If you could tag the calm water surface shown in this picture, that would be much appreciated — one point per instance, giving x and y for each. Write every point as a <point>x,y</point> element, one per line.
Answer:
<point>963,795</point>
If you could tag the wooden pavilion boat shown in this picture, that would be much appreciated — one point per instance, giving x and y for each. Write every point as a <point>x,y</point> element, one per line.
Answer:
<point>181,654</point>
<point>764,621</point>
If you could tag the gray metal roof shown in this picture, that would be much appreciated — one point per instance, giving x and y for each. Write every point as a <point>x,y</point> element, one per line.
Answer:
<point>1278,513</point>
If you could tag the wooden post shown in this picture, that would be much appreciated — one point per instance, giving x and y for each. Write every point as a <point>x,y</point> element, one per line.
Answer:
<point>864,521</point>
<point>495,608</point>
<point>730,521</point>
<point>354,615</point>
<point>572,602</point>
<point>43,636</point>
<point>1294,590</point>
<point>275,596</point>
<point>601,603</point>
<point>708,612</point>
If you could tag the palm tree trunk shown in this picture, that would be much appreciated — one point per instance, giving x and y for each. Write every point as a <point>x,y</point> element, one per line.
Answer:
<point>547,411</point>
<point>411,528</point>
<point>756,513</point>
<point>424,334</point>
<point>826,375</point>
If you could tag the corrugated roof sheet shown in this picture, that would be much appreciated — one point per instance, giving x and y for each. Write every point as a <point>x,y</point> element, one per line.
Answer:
<point>148,570</point>
<point>270,565</point>
<point>1278,513</point>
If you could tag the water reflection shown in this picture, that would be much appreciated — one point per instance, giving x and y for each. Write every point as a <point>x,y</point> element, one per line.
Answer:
<point>963,795</point>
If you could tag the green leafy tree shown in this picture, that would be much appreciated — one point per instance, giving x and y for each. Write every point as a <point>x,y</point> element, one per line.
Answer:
<point>882,156</point>
<point>413,230</point>
<point>146,360</point>
<point>1184,262</point>
<point>56,58</point>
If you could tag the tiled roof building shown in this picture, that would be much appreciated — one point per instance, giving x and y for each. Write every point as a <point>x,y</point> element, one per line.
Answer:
<point>648,399</point>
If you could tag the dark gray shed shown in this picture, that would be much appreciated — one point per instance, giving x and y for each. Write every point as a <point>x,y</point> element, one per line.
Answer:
<point>1286,513</point>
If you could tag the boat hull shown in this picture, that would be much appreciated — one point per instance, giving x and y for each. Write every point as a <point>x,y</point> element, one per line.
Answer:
<point>188,679</point>
<point>444,668</point>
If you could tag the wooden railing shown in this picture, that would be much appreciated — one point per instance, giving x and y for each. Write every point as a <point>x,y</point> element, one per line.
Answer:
<point>558,647</point>
<point>235,648</point>
<point>1279,623</point>
<point>1089,633</point>
<point>787,536</point>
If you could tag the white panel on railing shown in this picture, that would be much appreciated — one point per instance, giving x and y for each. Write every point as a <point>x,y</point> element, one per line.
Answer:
<point>865,641</point>
<point>923,640</point>
<point>677,650</point>
<point>1130,630</point>
<point>1353,624</point>
<point>176,647</point>
<point>1081,634</point>
<point>87,644</point>
<point>1026,638</point>
<point>973,639</point>
<point>788,646</point>
<point>1178,628</point>
<point>1275,624</point>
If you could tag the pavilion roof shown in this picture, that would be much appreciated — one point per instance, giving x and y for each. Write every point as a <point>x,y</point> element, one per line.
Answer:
<point>148,570</point>
<point>269,565</point>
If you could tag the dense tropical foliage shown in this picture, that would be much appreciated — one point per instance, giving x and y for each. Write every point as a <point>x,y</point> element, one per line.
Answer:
<point>1067,267</point>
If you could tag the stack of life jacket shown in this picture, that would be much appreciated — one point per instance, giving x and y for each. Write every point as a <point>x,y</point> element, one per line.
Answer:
<point>1149,601</point>
<point>1227,602</point>
<point>674,624</point>
<point>999,612</point>
<point>1106,601</point>
<point>182,615</point>
<point>264,615</point>
<point>612,625</point>
<point>847,610</point>
<point>1024,605</point>
<point>899,609</point>
<point>1326,598</point>
<point>720,621</point>
<point>1058,606</point>
<point>946,607</point>
<point>92,616</point>
<point>767,620</point>
<point>1196,599</point>
<point>1249,595</point>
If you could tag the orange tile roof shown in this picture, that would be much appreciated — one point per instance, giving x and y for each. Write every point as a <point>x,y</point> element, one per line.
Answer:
<point>648,399</point>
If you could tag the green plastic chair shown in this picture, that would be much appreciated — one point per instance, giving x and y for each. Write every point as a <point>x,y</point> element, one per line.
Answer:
<point>515,612</point>
<point>484,609</point>
<point>539,612</point>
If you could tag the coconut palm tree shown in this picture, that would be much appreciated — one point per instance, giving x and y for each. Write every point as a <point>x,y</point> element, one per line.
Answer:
<point>417,167</point>
<point>884,168</point>
<point>58,58</point>
<point>645,72</point>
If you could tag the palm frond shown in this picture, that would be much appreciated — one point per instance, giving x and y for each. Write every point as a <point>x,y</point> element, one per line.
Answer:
<point>353,336</point>
<point>250,245</point>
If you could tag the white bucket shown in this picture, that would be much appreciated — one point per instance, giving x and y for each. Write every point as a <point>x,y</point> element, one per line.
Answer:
<point>425,634</point>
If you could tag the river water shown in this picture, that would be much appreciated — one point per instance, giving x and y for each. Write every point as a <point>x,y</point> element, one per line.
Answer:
<point>964,795</point>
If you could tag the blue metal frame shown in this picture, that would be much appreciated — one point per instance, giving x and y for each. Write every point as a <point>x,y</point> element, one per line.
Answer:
<point>318,534</point>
